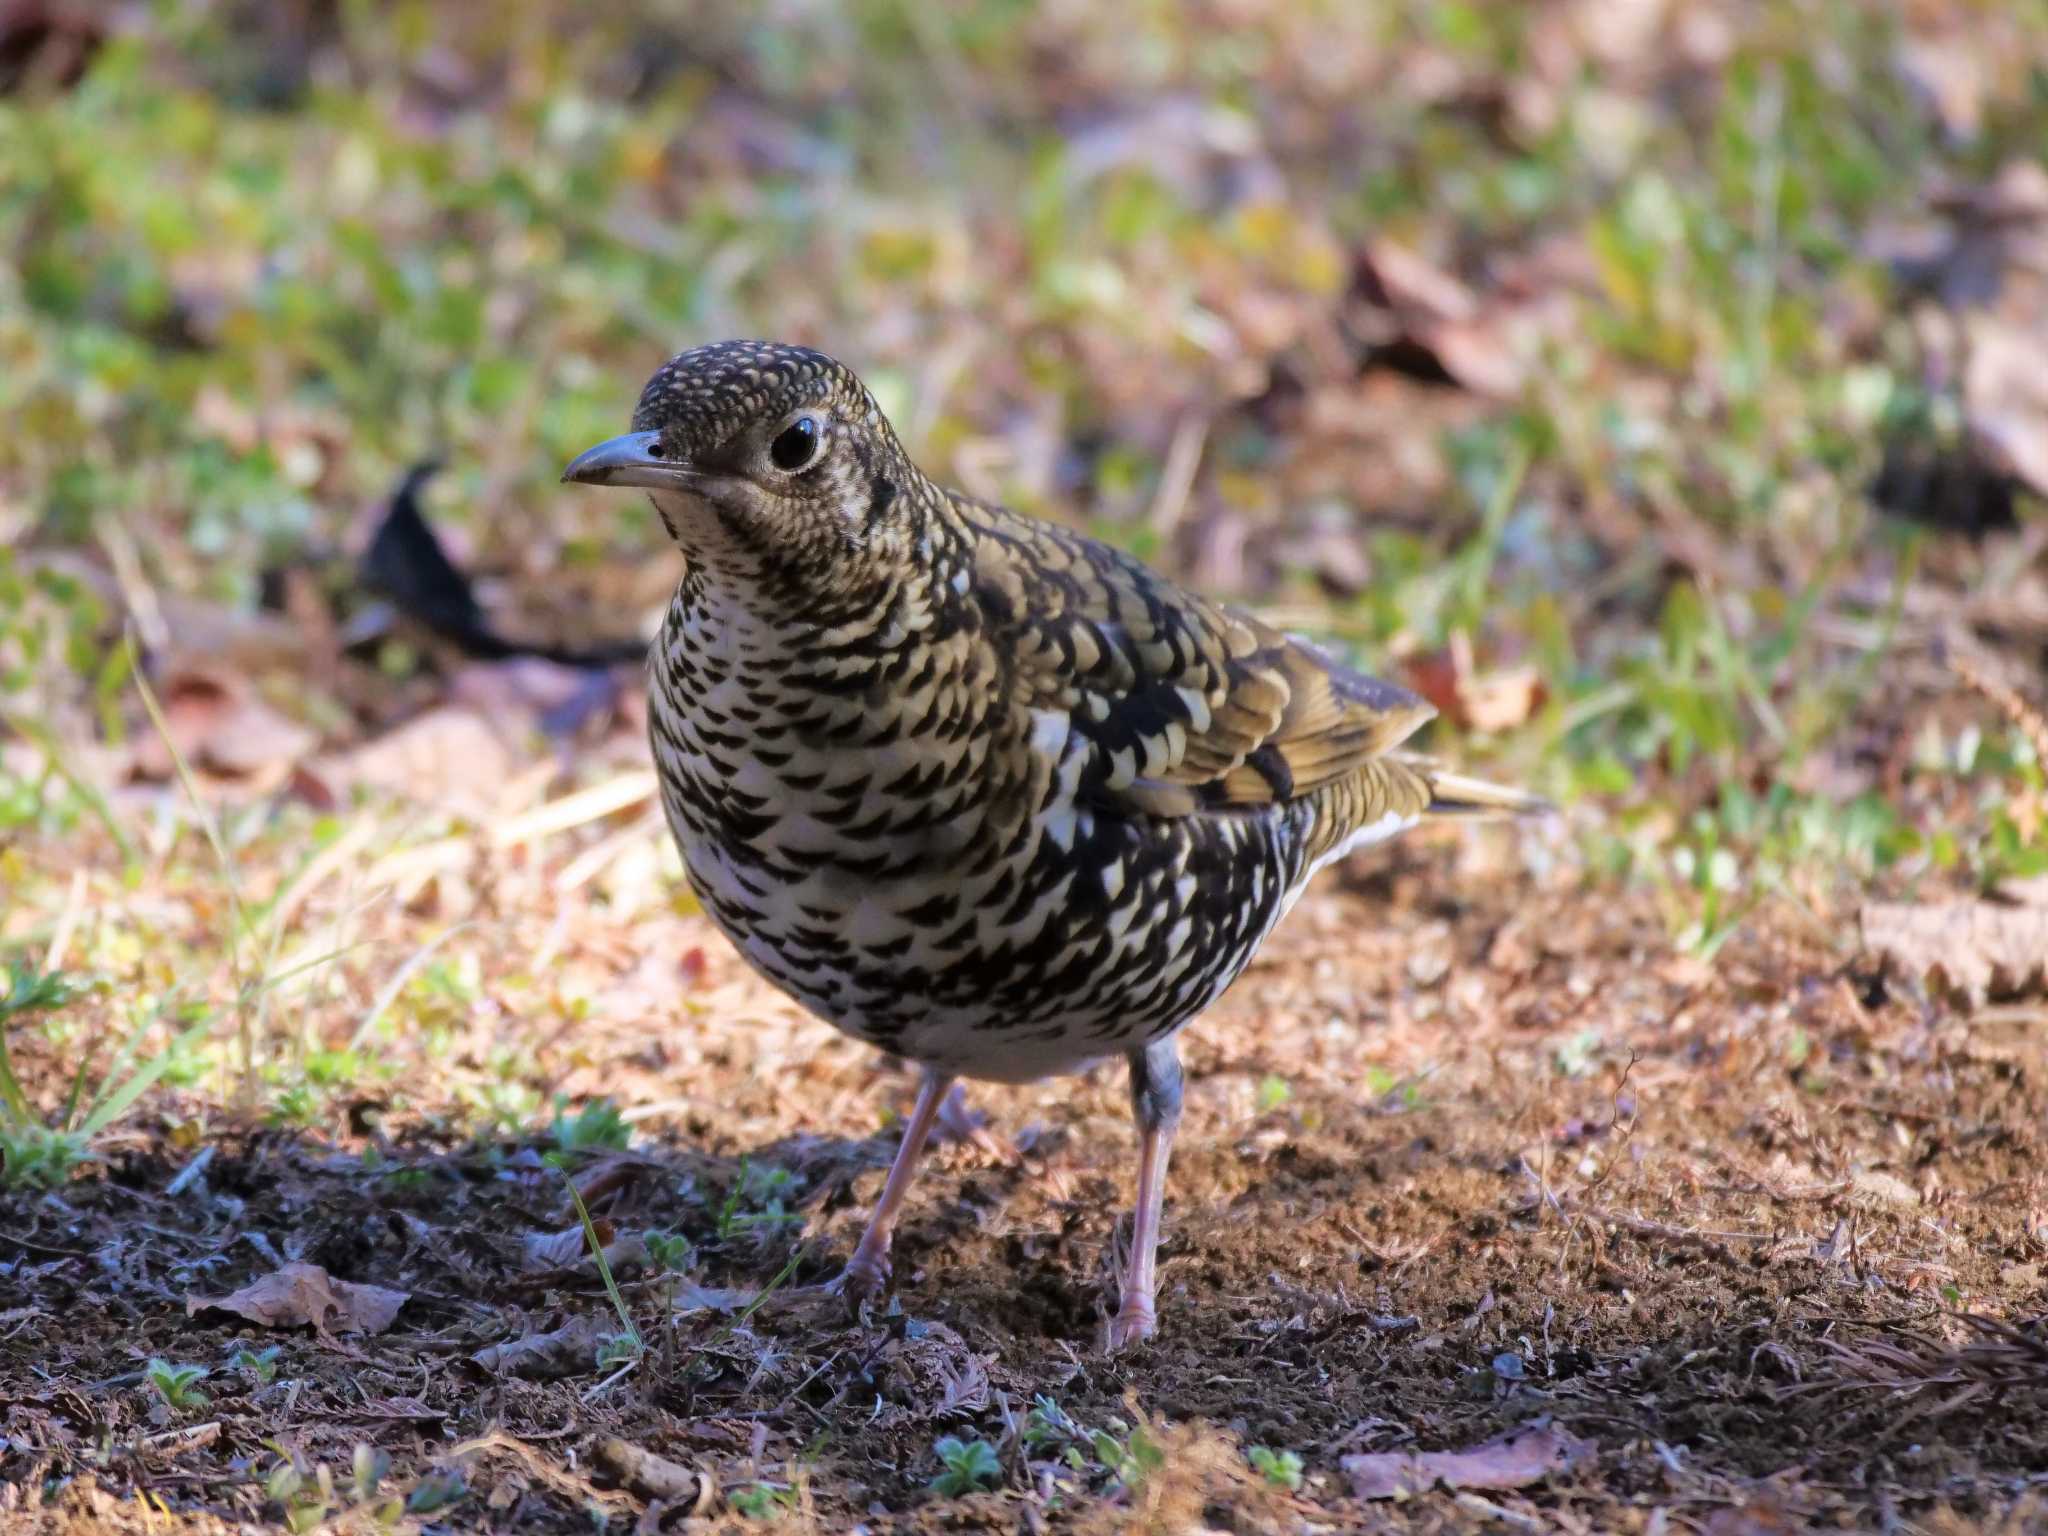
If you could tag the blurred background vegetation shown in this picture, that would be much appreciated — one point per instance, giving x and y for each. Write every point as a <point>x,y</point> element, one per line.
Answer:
<point>1657,384</point>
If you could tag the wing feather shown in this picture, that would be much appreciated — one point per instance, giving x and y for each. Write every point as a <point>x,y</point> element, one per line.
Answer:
<point>1187,705</point>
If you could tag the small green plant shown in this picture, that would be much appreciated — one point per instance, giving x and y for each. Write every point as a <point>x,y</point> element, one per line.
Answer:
<point>177,1385</point>
<point>759,1501</point>
<point>33,1149</point>
<point>1128,1455</point>
<point>669,1251</point>
<point>618,1349</point>
<point>597,1127</point>
<point>260,1363</point>
<point>1048,1425</point>
<point>436,1491</point>
<point>756,1201</point>
<point>310,1497</point>
<point>1280,1468</point>
<point>627,1346</point>
<point>1273,1093</point>
<point>369,1467</point>
<point>965,1466</point>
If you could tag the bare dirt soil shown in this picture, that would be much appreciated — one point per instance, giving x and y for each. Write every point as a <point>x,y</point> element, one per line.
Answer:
<point>1466,1150</point>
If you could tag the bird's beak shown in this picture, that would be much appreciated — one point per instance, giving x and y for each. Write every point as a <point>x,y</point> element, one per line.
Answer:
<point>629,460</point>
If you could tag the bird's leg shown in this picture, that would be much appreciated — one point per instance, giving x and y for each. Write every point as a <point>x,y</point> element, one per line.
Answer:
<point>868,1270</point>
<point>1155,1103</point>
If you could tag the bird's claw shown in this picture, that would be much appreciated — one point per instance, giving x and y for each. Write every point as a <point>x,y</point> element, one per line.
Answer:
<point>1135,1319</point>
<point>863,1280</point>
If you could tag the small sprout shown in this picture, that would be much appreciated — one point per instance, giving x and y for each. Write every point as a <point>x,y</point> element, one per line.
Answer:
<point>261,1363</point>
<point>1048,1424</point>
<point>305,1507</point>
<point>1130,1461</point>
<point>966,1465</point>
<point>1280,1468</point>
<point>756,1200</point>
<point>1273,1093</point>
<point>596,1127</point>
<point>283,1482</point>
<point>369,1467</point>
<point>177,1385</point>
<point>437,1491</point>
<point>761,1502</point>
<point>1509,1367</point>
<point>1577,1053</point>
<point>670,1251</point>
<point>617,1350</point>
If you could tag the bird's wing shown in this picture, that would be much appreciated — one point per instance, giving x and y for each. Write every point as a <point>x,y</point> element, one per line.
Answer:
<point>1187,705</point>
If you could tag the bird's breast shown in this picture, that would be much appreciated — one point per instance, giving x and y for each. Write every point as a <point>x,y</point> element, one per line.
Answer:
<point>913,855</point>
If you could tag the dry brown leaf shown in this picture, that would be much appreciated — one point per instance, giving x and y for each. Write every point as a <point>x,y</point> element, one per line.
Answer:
<point>558,1250</point>
<point>570,1350</point>
<point>1886,1187</point>
<point>2005,392</point>
<point>931,1373</point>
<point>570,1249</point>
<point>1523,1456</point>
<point>1950,76</point>
<point>447,756</point>
<point>218,725</point>
<point>1973,946</point>
<point>692,1297</point>
<point>305,1294</point>
<point>654,1476</point>
<point>1492,701</point>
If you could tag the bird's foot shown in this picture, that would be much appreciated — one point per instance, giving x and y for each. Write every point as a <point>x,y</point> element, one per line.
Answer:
<point>1135,1319</point>
<point>863,1280</point>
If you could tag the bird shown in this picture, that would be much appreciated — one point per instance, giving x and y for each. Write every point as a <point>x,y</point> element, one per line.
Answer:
<point>972,787</point>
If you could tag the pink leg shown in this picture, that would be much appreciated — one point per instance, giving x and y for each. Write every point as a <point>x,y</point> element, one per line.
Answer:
<point>868,1270</point>
<point>1155,1102</point>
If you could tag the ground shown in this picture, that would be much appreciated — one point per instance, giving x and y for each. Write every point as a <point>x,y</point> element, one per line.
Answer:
<point>387,1141</point>
<point>1467,1148</point>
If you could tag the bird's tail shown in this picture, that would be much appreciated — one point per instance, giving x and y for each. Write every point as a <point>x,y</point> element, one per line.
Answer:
<point>1456,794</point>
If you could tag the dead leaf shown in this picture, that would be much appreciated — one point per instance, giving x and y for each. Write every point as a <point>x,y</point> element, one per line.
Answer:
<point>1524,1455</point>
<point>692,1297</point>
<point>446,756</point>
<point>1949,75</point>
<point>931,1373</point>
<point>216,722</point>
<point>1427,323</point>
<point>2005,392</point>
<point>305,1294</point>
<point>570,1350</point>
<point>652,1476</point>
<point>1888,1187</point>
<point>1493,701</point>
<point>558,1250</point>
<point>570,1249</point>
<point>1973,946</point>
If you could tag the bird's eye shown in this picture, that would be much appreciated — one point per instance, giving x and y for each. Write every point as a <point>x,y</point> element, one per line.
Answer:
<point>795,445</point>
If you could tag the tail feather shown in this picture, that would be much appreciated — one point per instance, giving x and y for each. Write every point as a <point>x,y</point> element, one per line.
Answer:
<point>1456,794</point>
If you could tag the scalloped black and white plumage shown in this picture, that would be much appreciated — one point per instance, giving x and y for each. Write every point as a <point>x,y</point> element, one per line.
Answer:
<point>970,786</point>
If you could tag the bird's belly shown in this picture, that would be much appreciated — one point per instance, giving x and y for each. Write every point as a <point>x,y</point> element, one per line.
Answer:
<point>996,947</point>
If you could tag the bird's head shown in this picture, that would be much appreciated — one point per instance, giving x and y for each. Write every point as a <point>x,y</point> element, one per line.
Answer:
<point>761,455</point>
